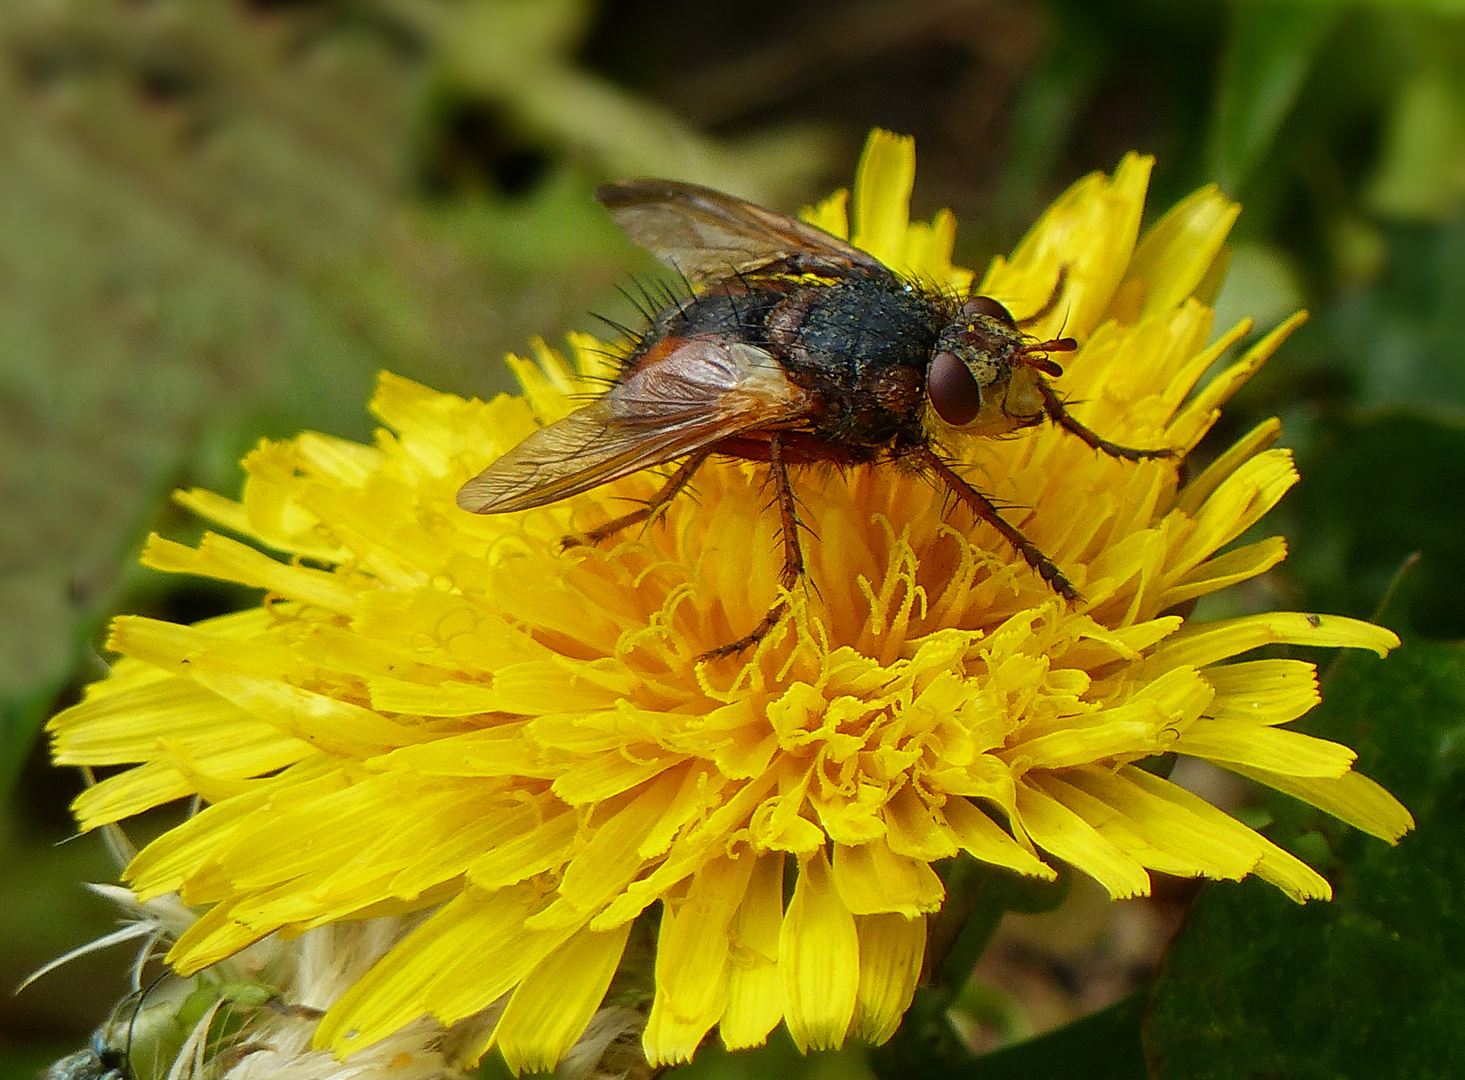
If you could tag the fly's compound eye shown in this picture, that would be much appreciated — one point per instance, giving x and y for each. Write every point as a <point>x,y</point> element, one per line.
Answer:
<point>954,394</point>
<point>985,305</point>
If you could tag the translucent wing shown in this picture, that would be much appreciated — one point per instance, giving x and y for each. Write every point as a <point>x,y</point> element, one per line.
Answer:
<point>700,391</point>
<point>708,236</point>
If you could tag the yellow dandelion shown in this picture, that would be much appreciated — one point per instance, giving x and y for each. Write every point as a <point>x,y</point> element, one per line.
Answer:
<point>444,716</point>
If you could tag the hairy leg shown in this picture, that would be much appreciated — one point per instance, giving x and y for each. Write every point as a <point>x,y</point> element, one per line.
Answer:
<point>793,555</point>
<point>655,505</point>
<point>1059,414</point>
<point>982,507</point>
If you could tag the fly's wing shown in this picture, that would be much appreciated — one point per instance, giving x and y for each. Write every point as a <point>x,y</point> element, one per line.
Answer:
<point>707,236</point>
<point>702,390</point>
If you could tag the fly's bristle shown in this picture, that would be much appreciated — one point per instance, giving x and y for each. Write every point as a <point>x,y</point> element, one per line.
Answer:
<point>630,336</point>
<point>667,295</point>
<point>641,303</point>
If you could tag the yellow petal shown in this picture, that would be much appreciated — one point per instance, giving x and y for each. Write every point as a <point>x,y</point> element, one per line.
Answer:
<point>551,1006</point>
<point>692,960</point>
<point>1194,495</point>
<point>1057,829</point>
<point>892,948</point>
<point>219,557</point>
<point>1238,503</point>
<point>754,985</point>
<point>1293,876</point>
<point>1091,229</point>
<point>984,839</point>
<point>882,195</point>
<point>1263,691</point>
<point>172,861</point>
<point>140,788</point>
<point>1229,743</point>
<point>1223,571</point>
<point>1218,391</point>
<point>469,953</point>
<point>872,880</point>
<point>830,213</point>
<point>1210,642</point>
<point>1177,252</point>
<point>819,960</point>
<point>1162,825</point>
<point>1352,797</point>
<point>610,860</point>
<point>911,828</point>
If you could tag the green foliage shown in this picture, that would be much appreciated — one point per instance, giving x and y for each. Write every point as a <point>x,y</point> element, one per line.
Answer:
<point>1272,47</point>
<point>1104,1045</point>
<point>1381,489</point>
<point>1371,984</point>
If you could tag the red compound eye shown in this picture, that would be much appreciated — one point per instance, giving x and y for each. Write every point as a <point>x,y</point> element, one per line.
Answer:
<point>954,394</point>
<point>985,305</point>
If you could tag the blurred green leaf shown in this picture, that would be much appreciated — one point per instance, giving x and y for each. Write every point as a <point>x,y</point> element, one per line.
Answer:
<point>1102,1046</point>
<point>1421,172</point>
<point>1373,983</point>
<point>1373,492</point>
<point>198,225</point>
<point>1045,113</point>
<point>1271,49</point>
<point>49,912</point>
<point>30,1062</point>
<point>520,58</point>
<point>778,1057</point>
<point>1261,283</point>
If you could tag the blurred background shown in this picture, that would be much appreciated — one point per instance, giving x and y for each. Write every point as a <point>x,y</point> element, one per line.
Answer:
<point>220,218</point>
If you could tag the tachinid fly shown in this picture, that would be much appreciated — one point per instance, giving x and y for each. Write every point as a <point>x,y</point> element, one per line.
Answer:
<point>798,348</point>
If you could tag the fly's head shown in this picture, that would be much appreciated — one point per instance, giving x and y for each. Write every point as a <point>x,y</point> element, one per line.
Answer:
<point>985,372</point>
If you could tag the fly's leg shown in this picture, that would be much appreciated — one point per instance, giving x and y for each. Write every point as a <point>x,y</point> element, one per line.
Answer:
<point>982,507</point>
<point>657,503</point>
<point>793,555</point>
<point>1059,414</point>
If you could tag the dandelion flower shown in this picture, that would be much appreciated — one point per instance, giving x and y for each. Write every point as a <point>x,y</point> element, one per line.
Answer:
<point>441,715</point>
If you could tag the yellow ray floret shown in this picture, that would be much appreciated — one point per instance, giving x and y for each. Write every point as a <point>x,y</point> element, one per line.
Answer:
<point>444,716</point>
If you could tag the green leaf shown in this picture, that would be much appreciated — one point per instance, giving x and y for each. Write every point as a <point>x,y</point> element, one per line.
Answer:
<point>1372,984</point>
<point>1373,492</point>
<point>1401,338</point>
<point>1421,173</point>
<point>1102,1046</point>
<point>1271,49</point>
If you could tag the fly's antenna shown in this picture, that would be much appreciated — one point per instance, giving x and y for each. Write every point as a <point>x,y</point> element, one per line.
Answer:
<point>1035,355</point>
<point>132,1020</point>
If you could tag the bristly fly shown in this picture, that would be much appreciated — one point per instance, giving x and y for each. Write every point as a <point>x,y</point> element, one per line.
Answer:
<point>796,348</point>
